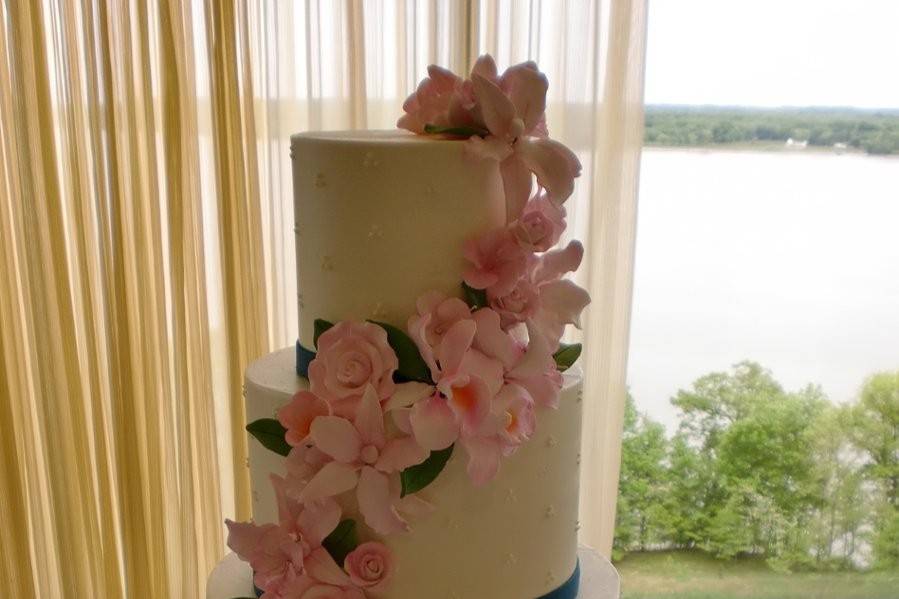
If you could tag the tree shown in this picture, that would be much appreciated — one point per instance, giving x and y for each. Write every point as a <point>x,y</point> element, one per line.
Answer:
<point>845,504</point>
<point>641,489</point>
<point>875,421</point>
<point>689,481</point>
<point>755,450</point>
<point>875,432</point>
<point>719,399</point>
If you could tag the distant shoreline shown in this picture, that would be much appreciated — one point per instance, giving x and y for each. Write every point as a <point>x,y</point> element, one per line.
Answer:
<point>822,130</point>
<point>767,148</point>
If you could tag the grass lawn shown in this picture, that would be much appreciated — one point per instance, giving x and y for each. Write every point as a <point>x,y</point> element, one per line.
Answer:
<point>695,575</point>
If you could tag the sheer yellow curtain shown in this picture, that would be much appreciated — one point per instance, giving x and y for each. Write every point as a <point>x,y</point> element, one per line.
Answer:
<point>130,241</point>
<point>146,254</point>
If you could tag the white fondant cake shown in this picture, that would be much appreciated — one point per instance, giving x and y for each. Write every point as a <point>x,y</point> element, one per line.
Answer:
<point>513,538</point>
<point>429,445</point>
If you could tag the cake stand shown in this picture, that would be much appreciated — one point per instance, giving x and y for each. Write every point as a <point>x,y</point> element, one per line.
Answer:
<point>599,580</point>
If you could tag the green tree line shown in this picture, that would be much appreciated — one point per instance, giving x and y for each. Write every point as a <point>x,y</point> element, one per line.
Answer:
<point>874,132</point>
<point>755,470</point>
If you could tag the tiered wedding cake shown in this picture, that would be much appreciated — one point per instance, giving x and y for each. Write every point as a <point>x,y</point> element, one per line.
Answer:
<point>421,440</point>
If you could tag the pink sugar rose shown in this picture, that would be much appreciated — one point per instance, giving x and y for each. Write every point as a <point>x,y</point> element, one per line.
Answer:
<point>540,225</point>
<point>297,416</point>
<point>497,261</point>
<point>442,312</point>
<point>370,565</point>
<point>351,356</point>
<point>361,458</point>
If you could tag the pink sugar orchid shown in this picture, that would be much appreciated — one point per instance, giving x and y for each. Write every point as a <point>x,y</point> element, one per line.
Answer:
<point>458,407</point>
<point>362,457</point>
<point>514,121</point>
<point>280,553</point>
<point>561,301</point>
<point>496,261</point>
<point>512,422</point>
<point>352,356</point>
<point>438,101</point>
<point>306,587</point>
<point>530,366</point>
<point>465,382</point>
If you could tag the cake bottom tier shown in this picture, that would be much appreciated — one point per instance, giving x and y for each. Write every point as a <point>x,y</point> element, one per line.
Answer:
<point>513,538</point>
<point>599,579</point>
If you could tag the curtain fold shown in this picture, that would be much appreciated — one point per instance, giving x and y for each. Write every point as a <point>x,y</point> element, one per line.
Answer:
<point>147,255</point>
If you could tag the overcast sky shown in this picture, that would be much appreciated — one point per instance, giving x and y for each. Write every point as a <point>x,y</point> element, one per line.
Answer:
<point>774,52</point>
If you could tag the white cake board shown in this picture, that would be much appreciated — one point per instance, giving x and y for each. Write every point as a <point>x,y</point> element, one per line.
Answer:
<point>599,579</point>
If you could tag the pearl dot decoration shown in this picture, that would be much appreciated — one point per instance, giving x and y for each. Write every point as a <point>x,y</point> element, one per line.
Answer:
<point>320,180</point>
<point>370,161</point>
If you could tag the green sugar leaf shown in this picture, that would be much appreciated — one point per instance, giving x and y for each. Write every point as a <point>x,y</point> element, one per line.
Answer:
<point>567,355</point>
<point>270,433</point>
<point>412,366</point>
<point>476,298</point>
<point>341,541</point>
<point>416,478</point>
<point>320,326</point>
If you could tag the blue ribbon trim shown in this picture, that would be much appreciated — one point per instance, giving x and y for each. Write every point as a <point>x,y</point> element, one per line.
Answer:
<point>569,589</point>
<point>304,358</point>
<point>566,591</point>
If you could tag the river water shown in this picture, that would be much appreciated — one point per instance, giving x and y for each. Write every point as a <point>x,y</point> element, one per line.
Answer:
<point>788,259</point>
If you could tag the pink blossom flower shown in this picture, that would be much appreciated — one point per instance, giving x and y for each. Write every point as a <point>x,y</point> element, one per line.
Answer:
<point>281,553</point>
<point>437,101</point>
<point>497,261</point>
<point>540,225</point>
<point>561,300</point>
<point>466,380</point>
<point>442,313</point>
<point>515,407</point>
<point>370,565</point>
<point>518,305</point>
<point>308,588</point>
<point>530,366</point>
<point>516,125</point>
<point>362,457</point>
<point>297,415</point>
<point>458,407</point>
<point>351,356</point>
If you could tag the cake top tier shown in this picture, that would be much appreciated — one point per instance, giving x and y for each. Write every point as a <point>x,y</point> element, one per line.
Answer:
<point>375,137</point>
<point>381,217</point>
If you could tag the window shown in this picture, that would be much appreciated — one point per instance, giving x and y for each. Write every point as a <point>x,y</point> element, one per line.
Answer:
<point>760,452</point>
